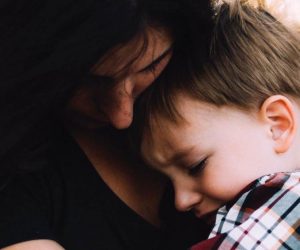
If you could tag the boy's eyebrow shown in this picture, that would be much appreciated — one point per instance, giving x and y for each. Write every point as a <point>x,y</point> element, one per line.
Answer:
<point>179,155</point>
<point>158,59</point>
<point>176,157</point>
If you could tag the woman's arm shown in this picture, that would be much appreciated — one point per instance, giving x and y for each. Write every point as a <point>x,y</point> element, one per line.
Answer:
<point>35,245</point>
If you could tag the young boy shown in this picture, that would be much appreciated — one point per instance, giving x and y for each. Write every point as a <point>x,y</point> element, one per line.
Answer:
<point>228,138</point>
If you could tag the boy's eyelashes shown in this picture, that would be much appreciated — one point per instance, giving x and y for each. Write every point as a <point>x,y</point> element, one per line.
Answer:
<point>197,168</point>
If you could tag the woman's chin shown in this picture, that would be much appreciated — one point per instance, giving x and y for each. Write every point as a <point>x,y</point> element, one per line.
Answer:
<point>85,122</point>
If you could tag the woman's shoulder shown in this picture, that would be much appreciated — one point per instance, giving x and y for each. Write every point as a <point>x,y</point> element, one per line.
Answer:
<point>25,210</point>
<point>32,199</point>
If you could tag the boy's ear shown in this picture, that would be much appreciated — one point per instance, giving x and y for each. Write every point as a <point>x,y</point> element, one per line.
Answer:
<point>280,116</point>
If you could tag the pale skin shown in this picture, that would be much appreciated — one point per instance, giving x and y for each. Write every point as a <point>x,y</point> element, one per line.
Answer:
<point>217,151</point>
<point>91,109</point>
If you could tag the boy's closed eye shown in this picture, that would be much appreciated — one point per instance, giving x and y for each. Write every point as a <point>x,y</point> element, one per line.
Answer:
<point>198,167</point>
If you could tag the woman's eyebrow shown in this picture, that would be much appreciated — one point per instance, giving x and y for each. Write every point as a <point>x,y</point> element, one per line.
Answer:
<point>158,59</point>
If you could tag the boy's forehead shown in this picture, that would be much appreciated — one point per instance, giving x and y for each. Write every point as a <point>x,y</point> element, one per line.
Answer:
<point>163,132</point>
<point>159,142</point>
<point>165,141</point>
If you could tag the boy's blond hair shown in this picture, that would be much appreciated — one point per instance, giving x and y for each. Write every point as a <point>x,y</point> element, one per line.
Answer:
<point>252,56</point>
<point>285,11</point>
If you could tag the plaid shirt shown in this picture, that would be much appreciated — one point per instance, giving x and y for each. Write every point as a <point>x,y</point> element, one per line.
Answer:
<point>266,216</point>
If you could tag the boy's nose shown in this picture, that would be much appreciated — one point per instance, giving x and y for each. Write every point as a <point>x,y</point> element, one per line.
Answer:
<point>185,200</point>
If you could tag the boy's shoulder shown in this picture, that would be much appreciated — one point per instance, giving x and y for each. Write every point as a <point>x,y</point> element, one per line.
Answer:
<point>268,194</point>
<point>264,215</point>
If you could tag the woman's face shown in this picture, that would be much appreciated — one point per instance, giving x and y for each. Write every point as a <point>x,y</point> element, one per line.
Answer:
<point>93,106</point>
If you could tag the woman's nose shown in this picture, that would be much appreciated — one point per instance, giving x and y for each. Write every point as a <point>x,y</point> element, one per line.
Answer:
<point>121,112</point>
<point>185,199</point>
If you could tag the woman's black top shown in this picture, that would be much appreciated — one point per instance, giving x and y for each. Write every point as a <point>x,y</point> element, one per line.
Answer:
<point>69,202</point>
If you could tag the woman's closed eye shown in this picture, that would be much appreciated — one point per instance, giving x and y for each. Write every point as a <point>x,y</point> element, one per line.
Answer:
<point>152,67</point>
<point>155,65</point>
<point>197,168</point>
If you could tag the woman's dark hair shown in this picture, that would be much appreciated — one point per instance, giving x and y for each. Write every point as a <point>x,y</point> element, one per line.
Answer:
<point>47,49</point>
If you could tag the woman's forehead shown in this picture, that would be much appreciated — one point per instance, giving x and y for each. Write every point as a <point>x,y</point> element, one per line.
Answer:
<point>134,55</point>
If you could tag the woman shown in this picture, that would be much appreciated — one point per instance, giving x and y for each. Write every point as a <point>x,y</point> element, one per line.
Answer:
<point>68,70</point>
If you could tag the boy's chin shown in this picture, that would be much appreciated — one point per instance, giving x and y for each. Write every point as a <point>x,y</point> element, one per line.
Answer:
<point>199,213</point>
<point>209,217</point>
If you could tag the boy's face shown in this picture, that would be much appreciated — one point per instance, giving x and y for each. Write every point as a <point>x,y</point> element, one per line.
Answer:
<point>212,156</point>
